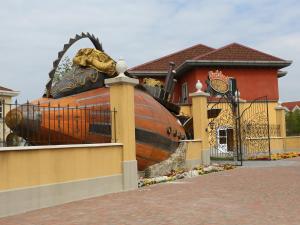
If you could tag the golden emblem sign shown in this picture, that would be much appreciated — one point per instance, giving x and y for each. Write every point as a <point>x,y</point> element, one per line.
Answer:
<point>218,81</point>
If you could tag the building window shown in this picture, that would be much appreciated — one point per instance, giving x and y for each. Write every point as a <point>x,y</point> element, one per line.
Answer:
<point>184,93</point>
<point>1,110</point>
<point>225,139</point>
<point>232,85</point>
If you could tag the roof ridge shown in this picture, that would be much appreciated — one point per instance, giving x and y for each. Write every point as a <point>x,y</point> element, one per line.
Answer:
<point>216,50</point>
<point>291,102</point>
<point>237,44</point>
<point>171,54</point>
<point>5,88</point>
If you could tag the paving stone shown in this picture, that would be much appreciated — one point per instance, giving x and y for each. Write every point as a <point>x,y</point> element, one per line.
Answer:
<point>249,195</point>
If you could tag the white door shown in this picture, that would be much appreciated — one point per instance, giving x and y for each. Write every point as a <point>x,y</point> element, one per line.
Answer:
<point>222,140</point>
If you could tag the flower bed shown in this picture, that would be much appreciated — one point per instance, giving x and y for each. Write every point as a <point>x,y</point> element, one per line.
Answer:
<point>287,155</point>
<point>182,173</point>
<point>277,156</point>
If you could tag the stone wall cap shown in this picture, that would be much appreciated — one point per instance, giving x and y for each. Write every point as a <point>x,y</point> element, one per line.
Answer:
<point>280,107</point>
<point>121,80</point>
<point>199,93</point>
<point>45,147</point>
<point>291,137</point>
<point>192,140</point>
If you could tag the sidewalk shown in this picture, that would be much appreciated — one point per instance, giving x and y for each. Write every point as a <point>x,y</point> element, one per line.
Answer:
<point>258,193</point>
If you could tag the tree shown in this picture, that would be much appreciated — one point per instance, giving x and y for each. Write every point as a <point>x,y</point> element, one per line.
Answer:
<point>293,123</point>
<point>64,66</point>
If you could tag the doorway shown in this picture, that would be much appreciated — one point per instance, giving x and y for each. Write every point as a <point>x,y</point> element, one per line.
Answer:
<point>225,139</point>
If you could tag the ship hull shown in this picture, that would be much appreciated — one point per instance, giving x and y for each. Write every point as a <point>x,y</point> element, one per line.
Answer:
<point>86,118</point>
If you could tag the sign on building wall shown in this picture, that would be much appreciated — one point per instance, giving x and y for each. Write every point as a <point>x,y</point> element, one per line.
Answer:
<point>218,83</point>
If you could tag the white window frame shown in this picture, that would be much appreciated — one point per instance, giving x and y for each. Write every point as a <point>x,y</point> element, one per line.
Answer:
<point>223,147</point>
<point>184,93</point>
<point>230,84</point>
<point>1,109</point>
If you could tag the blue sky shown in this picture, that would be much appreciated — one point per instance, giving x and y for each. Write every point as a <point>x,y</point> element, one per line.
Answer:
<point>32,32</point>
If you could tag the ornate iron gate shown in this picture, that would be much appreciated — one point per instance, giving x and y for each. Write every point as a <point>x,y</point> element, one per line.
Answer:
<point>222,130</point>
<point>238,130</point>
<point>255,129</point>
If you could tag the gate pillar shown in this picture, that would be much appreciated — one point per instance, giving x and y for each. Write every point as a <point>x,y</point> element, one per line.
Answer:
<point>200,122</point>
<point>280,119</point>
<point>123,126</point>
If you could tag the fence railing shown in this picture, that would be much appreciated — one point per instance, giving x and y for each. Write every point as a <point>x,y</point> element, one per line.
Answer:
<point>261,130</point>
<point>275,130</point>
<point>38,124</point>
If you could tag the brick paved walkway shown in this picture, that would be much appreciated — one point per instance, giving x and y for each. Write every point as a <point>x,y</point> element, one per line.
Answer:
<point>254,194</point>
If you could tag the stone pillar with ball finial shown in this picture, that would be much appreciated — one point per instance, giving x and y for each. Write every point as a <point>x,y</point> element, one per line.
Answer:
<point>123,126</point>
<point>200,121</point>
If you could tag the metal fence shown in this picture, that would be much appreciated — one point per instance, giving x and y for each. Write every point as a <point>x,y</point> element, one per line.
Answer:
<point>40,124</point>
<point>275,130</point>
<point>261,130</point>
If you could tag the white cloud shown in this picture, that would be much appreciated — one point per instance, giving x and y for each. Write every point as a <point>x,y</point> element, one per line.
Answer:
<point>32,32</point>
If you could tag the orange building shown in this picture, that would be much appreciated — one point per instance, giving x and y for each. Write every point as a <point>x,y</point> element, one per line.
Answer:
<point>256,73</point>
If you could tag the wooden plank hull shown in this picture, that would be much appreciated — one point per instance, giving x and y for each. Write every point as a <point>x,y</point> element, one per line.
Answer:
<point>85,121</point>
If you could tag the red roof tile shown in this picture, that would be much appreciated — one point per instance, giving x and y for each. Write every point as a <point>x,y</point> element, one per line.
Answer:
<point>162,64</point>
<point>5,89</point>
<point>237,52</point>
<point>291,105</point>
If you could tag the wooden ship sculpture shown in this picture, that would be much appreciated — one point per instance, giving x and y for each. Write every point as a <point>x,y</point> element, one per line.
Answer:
<point>76,109</point>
